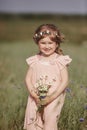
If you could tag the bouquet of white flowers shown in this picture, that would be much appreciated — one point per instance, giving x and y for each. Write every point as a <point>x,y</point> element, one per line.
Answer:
<point>42,91</point>
<point>42,86</point>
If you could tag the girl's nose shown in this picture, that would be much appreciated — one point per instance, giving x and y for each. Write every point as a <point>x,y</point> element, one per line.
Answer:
<point>47,45</point>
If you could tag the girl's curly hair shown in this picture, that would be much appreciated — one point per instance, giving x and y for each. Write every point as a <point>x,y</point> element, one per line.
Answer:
<point>53,32</point>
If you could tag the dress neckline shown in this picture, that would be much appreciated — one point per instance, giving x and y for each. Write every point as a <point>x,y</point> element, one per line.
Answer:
<point>47,61</point>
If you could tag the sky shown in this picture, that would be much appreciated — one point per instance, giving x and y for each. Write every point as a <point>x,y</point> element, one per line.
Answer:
<point>44,6</point>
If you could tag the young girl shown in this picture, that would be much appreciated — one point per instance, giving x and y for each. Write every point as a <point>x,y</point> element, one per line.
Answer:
<point>49,68</point>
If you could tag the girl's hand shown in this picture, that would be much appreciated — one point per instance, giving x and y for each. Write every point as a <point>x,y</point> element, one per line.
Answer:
<point>47,100</point>
<point>35,96</point>
<point>37,100</point>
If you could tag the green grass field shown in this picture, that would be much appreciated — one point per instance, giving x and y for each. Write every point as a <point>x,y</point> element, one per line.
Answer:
<point>15,48</point>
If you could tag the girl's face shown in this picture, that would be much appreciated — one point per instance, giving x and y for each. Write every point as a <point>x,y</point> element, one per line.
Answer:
<point>47,47</point>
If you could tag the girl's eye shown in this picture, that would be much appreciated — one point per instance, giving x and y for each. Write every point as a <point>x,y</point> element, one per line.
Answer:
<point>50,43</point>
<point>43,43</point>
<point>46,43</point>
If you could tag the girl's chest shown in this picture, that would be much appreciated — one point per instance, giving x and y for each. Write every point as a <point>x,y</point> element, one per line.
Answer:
<point>51,72</point>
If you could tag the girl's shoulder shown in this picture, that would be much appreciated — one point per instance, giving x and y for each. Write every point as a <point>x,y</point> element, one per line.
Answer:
<point>60,60</point>
<point>63,60</point>
<point>32,59</point>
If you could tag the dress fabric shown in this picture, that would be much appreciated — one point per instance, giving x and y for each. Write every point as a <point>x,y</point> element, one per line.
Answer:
<point>52,70</point>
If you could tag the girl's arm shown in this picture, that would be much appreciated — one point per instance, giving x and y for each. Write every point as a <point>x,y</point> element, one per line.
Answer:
<point>29,85</point>
<point>60,88</point>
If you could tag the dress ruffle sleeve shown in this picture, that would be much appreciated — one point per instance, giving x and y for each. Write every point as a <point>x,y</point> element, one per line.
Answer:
<point>31,60</point>
<point>63,61</point>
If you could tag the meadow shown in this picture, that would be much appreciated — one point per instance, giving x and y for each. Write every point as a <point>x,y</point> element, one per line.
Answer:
<point>16,44</point>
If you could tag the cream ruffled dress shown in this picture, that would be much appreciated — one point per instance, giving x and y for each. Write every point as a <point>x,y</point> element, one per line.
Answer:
<point>50,69</point>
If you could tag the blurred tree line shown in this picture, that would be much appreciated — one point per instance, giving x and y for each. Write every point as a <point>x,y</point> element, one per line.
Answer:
<point>20,27</point>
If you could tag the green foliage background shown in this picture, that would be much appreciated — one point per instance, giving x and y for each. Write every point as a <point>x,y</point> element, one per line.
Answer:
<point>16,44</point>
